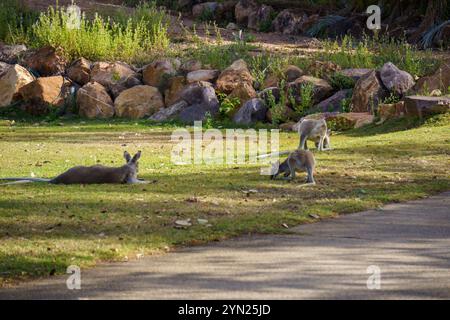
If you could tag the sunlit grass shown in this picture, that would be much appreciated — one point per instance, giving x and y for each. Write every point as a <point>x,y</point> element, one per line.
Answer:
<point>44,228</point>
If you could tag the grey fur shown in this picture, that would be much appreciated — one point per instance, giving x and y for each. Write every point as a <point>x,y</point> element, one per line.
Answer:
<point>97,174</point>
<point>297,160</point>
<point>314,130</point>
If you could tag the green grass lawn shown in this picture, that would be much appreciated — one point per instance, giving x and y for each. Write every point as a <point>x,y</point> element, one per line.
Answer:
<point>44,228</point>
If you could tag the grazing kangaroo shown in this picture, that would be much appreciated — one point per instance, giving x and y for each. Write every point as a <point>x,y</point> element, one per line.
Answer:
<point>297,160</point>
<point>97,174</point>
<point>315,130</point>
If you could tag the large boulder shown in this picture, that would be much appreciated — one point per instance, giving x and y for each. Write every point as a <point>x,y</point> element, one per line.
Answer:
<point>138,102</point>
<point>368,93</point>
<point>355,73</point>
<point>321,88</point>
<point>323,68</point>
<point>47,61</point>
<point>94,101</point>
<point>116,77</point>
<point>190,65</point>
<point>292,73</point>
<point>396,80</point>
<point>271,93</point>
<point>12,78</point>
<point>175,87</point>
<point>158,72</point>
<point>202,100</point>
<point>333,103</point>
<point>234,76</point>
<point>11,54</point>
<point>391,111</point>
<point>261,19</point>
<point>206,11</point>
<point>440,80</point>
<point>341,121</point>
<point>169,113</point>
<point>423,105</point>
<point>243,9</point>
<point>45,93</point>
<point>80,71</point>
<point>252,111</point>
<point>202,75</point>
<point>287,23</point>
<point>244,93</point>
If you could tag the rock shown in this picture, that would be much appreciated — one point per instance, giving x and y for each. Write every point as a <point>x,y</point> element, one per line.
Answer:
<point>286,114</point>
<point>391,111</point>
<point>323,69</point>
<point>271,81</point>
<point>12,78</point>
<point>11,54</point>
<point>191,65</point>
<point>175,86</point>
<point>266,94</point>
<point>342,121</point>
<point>252,111</point>
<point>116,77</point>
<point>287,23</point>
<point>201,99</point>
<point>47,61</point>
<point>94,101</point>
<point>44,93</point>
<point>333,103</point>
<point>439,80</point>
<point>292,73</point>
<point>396,80</point>
<point>232,26</point>
<point>234,76</point>
<point>158,72</point>
<point>138,102</point>
<point>355,74</point>
<point>170,113</point>
<point>243,10</point>
<point>243,92</point>
<point>367,94</point>
<point>80,71</point>
<point>321,88</point>
<point>206,11</point>
<point>202,75</point>
<point>261,19</point>
<point>424,105</point>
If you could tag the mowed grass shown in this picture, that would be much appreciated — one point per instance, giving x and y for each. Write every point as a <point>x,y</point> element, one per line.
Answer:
<point>45,228</point>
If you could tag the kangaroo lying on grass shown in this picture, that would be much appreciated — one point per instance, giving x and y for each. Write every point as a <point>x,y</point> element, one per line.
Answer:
<point>298,159</point>
<point>315,130</point>
<point>97,174</point>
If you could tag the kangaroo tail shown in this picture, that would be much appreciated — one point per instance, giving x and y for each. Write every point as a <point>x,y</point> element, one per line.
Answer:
<point>275,154</point>
<point>23,180</point>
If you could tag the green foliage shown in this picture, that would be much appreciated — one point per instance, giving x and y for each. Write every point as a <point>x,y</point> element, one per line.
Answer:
<point>339,81</point>
<point>306,99</point>
<point>391,99</point>
<point>374,53</point>
<point>15,21</point>
<point>227,104</point>
<point>346,104</point>
<point>100,38</point>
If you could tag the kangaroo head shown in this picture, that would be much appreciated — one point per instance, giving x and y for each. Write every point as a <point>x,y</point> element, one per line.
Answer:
<point>132,163</point>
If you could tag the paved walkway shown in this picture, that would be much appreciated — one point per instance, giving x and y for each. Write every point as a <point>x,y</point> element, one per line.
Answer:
<point>409,242</point>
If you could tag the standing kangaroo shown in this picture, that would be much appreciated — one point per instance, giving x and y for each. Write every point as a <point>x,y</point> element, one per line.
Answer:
<point>297,160</point>
<point>315,130</point>
<point>97,174</point>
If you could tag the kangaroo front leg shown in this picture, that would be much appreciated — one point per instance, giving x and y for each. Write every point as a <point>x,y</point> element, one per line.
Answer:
<point>321,143</point>
<point>302,144</point>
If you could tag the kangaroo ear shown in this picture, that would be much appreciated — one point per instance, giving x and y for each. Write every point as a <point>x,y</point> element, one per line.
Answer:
<point>127,156</point>
<point>136,157</point>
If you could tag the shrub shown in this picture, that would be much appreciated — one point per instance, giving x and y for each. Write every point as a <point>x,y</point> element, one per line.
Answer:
<point>227,104</point>
<point>101,38</point>
<point>339,81</point>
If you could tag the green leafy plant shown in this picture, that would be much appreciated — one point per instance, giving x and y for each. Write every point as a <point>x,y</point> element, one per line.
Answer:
<point>227,104</point>
<point>391,99</point>
<point>339,81</point>
<point>346,104</point>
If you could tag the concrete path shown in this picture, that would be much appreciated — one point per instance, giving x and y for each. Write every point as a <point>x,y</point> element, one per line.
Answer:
<point>409,243</point>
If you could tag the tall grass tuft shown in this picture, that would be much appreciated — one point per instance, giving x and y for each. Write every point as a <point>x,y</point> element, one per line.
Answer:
<point>126,39</point>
